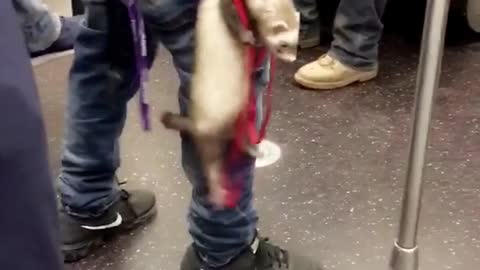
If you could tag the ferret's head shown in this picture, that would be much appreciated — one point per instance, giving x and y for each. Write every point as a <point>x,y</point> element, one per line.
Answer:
<point>278,25</point>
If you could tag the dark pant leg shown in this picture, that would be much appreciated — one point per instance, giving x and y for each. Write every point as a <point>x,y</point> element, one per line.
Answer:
<point>102,80</point>
<point>39,24</point>
<point>357,31</point>
<point>219,235</point>
<point>28,225</point>
<point>308,10</point>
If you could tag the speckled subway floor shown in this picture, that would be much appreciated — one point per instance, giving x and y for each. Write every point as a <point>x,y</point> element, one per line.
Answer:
<point>336,192</point>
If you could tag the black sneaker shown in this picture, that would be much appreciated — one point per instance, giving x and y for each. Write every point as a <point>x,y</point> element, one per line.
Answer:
<point>81,236</point>
<point>262,255</point>
<point>68,34</point>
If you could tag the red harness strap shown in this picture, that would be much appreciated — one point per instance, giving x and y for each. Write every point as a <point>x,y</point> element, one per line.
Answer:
<point>255,58</point>
<point>246,125</point>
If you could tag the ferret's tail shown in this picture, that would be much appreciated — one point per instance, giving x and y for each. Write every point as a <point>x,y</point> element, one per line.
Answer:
<point>177,122</point>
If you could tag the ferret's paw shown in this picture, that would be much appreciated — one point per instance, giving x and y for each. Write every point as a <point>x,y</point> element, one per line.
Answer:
<point>166,119</point>
<point>248,38</point>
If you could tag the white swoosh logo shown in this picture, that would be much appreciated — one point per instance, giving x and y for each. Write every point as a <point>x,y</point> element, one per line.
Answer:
<point>114,224</point>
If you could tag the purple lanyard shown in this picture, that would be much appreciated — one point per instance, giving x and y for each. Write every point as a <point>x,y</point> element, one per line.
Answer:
<point>140,48</point>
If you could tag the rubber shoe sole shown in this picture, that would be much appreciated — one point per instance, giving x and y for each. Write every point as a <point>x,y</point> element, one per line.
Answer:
<point>75,252</point>
<point>309,43</point>
<point>359,77</point>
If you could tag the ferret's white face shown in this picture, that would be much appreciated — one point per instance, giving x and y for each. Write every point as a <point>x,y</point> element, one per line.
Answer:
<point>278,24</point>
<point>283,41</point>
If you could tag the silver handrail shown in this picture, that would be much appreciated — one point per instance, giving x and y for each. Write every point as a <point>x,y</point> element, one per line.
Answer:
<point>405,252</point>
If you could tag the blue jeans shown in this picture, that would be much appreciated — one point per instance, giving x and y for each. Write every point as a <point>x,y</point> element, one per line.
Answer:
<point>101,83</point>
<point>40,26</point>
<point>357,30</point>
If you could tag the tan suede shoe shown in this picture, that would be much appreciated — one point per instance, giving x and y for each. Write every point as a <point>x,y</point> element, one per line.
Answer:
<point>328,73</point>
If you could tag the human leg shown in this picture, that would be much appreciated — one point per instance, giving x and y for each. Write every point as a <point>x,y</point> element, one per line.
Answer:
<point>353,55</point>
<point>357,31</point>
<point>310,23</point>
<point>40,26</point>
<point>45,31</point>
<point>227,239</point>
<point>219,235</point>
<point>102,80</point>
<point>222,238</point>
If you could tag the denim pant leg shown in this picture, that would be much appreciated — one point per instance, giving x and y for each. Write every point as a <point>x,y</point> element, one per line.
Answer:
<point>357,32</point>
<point>102,80</point>
<point>218,235</point>
<point>308,11</point>
<point>262,77</point>
<point>40,26</point>
<point>221,235</point>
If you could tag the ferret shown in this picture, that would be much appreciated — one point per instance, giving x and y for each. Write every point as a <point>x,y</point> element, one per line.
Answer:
<point>220,84</point>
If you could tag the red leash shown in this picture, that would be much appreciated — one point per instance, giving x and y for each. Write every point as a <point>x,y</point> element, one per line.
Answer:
<point>246,125</point>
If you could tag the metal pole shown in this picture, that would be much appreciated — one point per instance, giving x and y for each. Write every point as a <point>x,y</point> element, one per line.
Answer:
<point>405,252</point>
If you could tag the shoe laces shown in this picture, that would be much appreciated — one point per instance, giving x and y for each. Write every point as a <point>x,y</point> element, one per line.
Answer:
<point>275,255</point>
<point>326,61</point>
<point>124,195</point>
